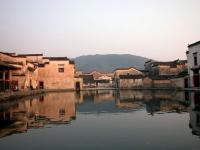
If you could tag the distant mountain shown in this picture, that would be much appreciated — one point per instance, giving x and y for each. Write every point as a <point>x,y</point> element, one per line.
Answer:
<point>109,62</point>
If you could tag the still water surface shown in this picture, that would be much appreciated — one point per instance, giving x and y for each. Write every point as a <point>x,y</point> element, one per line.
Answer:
<point>117,120</point>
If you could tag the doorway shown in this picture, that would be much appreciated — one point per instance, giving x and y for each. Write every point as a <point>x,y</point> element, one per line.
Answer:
<point>78,86</point>
<point>196,78</point>
<point>41,85</point>
<point>186,83</point>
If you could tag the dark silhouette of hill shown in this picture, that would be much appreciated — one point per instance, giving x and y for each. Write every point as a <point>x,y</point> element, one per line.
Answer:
<point>109,62</point>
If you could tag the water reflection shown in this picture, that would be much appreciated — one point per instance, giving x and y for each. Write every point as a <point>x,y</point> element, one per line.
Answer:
<point>194,111</point>
<point>61,108</point>
<point>126,101</point>
<point>37,112</point>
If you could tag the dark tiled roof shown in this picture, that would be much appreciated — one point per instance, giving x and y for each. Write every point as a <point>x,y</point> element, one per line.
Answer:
<point>30,54</point>
<point>157,63</point>
<point>182,61</point>
<point>71,62</point>
<point>131,76</point>
<point>193,44</point>
<point>4,65</point>
<point>56,58</point>
<point>169,63</point>
<point>148,61</point>
<point>9,54</point>
<point>125,68</point>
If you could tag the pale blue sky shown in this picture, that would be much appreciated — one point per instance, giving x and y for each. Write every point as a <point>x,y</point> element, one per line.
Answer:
<point>158,29</point>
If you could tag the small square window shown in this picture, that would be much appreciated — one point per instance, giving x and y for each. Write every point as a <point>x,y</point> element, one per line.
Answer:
<point>60,69</point>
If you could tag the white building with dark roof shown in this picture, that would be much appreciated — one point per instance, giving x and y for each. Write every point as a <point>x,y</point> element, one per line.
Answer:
<point>193,56</point>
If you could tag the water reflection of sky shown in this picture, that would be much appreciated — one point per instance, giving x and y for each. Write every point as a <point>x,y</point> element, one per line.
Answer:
<point>102,119</point>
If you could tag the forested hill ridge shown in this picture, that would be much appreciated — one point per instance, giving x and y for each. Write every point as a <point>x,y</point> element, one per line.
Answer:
<point>108,62</point>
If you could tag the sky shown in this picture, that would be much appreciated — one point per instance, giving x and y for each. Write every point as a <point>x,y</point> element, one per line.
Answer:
<point>156,29</point>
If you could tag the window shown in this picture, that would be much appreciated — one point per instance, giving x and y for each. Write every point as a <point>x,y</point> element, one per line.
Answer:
<point>61,68</point>
<point>1,75</point>
<point>195,58</point>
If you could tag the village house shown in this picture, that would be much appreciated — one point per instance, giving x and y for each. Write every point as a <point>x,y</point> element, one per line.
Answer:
<point>6,76</point>
<point>96,79</point>
<point>171,74</point>
<point>102,79</point>
<point>193,57</point>
<point>19,73</point>
<point>157,68</point>
<point>56,73</point>
<point>26,77</point>
<point>33,71</point>
<point>88,80</point>
<point>128,78</point>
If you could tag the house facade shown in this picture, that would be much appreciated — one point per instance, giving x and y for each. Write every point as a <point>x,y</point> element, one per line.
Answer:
<point>33,71</point>
<point>165,68</point>
<point>96,79</point>
<point>128,78</point>
<point>88,80</point>
<point>193,57</point>
<point>19,73</point>
<point>56,73</point>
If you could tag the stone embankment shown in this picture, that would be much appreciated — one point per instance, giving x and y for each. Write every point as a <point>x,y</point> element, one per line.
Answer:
<point>9,96</point>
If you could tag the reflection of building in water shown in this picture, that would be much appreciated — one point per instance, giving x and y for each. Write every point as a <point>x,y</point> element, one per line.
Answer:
<point>101,96</point>
<point>168,106</point>
<point>129,99</point>
<point>195,113</point>
<point>165,95</point>
<point>129,104</point>
<point>98,96</point>
<point>60,108</point>
<point>53,108</point>
<point>156,101</point>
<point>165,101</point>
<point>127,78</point>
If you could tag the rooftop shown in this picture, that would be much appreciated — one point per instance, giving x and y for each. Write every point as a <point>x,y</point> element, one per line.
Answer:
<point>170,63</point>
<point>30,55</point>
<point>193,44</point>
<point>125,68</point>
<point>9,54</point>
<point>5,65</point>
<point>56,58</point>
<point>87,78</point>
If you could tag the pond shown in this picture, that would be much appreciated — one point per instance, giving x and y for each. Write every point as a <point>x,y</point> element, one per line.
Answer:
<point>104,119</point>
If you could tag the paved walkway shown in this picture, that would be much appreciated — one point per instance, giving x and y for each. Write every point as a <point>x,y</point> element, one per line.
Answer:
<point>18,94</point>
